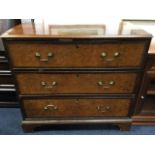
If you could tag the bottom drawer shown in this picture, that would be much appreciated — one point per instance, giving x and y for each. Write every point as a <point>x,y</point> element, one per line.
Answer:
<point>43,108</point>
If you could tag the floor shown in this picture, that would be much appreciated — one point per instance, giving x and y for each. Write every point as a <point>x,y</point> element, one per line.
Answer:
<point>10,119</point>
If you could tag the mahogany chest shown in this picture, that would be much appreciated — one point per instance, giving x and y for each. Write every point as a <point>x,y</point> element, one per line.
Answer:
<point>65,77</point>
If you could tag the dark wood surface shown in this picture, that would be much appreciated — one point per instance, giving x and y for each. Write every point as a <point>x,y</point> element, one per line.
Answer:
<point>148,107</point>
<point>30,124</point>
<point>145,114</point>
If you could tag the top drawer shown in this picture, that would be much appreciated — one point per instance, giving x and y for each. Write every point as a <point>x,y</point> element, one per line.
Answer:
<point>99,55</point>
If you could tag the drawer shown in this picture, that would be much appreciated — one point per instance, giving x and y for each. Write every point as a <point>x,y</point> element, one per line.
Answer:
<point>75,107</point>
<point>42,55</point>
<point>41,83</point>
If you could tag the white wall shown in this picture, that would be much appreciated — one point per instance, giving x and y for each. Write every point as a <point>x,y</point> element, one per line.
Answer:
<point>98,10</point>
<point>108,12</point>
<point>78,10</point>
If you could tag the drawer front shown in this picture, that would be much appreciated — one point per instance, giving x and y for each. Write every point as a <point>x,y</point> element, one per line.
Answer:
<point>76,83</point>
<point>71,55</point>
<point>75,107</point>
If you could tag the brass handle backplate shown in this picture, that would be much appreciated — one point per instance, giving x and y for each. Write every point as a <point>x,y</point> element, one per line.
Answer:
<point>103,109</point>
<point>105,57</point>
<point>49,55</point>
<point>48,84</point>
<point>50,107</point>
<point>105,85</point>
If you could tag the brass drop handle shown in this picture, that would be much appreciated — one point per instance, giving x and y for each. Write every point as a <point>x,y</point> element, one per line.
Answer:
<point>43,83</point>
<point>37,54</point>
<point>49,55</point>
<point>47,85</point>
<point>106,85</point>
<point>54,83</point>
<point>116,54</point>
<point>142,97</point>
<point>104,55</point>
<point>111,83</point>
<point>100,83</point>
<point>50,107</point>
<point>103,109</point>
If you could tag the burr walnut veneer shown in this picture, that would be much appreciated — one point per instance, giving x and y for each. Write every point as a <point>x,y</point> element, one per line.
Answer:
<point>61,55</point>
<point>65,77</point>
<point>51,83</point>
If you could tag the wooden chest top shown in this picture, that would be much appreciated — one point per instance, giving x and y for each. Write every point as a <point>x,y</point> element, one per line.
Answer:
<point>70,31</point>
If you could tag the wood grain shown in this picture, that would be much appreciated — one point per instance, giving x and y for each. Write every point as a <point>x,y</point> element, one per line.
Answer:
<point>73,107</point>
<point>30,83</point>
<point>71,55</point>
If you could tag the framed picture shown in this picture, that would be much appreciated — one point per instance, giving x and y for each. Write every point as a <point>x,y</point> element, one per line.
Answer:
<point>139,25</point>
<point>77,29</point>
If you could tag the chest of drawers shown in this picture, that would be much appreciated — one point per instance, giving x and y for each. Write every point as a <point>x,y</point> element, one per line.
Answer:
<point>75,79</point>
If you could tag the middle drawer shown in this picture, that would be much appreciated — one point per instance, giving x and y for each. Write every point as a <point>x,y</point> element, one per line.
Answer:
<point>59,83</point>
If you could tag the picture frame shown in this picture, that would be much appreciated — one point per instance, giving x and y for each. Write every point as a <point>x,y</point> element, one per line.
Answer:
<point>77,29</point>
<point>139,24</point>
